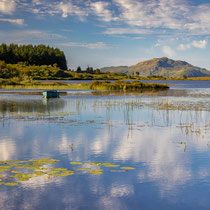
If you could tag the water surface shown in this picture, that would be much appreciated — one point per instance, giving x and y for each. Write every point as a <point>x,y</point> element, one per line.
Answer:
<point>164,136</point>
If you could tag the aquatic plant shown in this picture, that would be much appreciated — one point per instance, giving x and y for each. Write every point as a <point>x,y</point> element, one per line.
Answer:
<point>96,172</point>
<point>128,168</point>
<point>34,168</point>
<point>110,165</point>
<point>75,163</point>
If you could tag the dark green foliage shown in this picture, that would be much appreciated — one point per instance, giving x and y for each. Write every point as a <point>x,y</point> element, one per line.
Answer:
<point>33,55</point>
<point>97,71</point>
<point>21,70</point>
<point>7,71</point>
<point>89,70</point>
<point>79,70</point>
<point>120,85</point>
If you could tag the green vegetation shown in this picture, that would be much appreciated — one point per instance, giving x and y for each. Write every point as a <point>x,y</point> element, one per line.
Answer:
<point>20,71</point>
<point>37,168</point>
<point>120,85</point>
<point>33,55</point>
<point>95,85</point>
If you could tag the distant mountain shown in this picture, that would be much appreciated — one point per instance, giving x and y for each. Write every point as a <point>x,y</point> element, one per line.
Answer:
<point>161,67</point>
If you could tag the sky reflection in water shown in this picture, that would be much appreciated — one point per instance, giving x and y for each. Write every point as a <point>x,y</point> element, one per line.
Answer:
<point>165,138</point>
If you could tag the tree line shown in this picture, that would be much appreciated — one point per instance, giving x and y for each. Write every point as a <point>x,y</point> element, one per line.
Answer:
<point>33,55</point>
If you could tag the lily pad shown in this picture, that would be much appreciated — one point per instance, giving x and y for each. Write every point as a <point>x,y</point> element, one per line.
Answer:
<point>15,165</point>
<point>38,173</point>
<point>96,172</point>
<point>5,167</point>
<point>97,164</point>
<point>22,177</point>
<point>3,170</point>
<point>109,165</point>
<point>59,169</point>
<point>15,172</point>
<point>75,163</point>
<point>11,184</point>
<point>128,168</point>
<point>65,173</point>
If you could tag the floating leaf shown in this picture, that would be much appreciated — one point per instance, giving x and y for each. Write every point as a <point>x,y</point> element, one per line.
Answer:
<point>59,169</point>
<point>12,161</point>
<point>34,168</point>
<point>65,173</point>
<point>76,163</point>
<point>3,170</point>
<point>38,173</point>
<point>97,164</point>
<point>109,165</point>
<point>5,167</point>
<point>15,172</point>
<point>15,165</point>
<point>20,167</point>
<point>22,177</point>
<point>96,172</point>
<point>128,168</point>
<point>48,161</point>
<point>11,184</point>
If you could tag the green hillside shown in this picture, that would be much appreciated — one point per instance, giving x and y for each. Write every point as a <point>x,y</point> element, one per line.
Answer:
<point>162,67</point>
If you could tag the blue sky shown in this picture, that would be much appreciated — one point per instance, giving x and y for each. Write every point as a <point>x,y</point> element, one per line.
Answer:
<point>111,32</point>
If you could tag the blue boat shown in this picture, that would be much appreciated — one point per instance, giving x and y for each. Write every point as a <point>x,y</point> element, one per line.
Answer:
<point>51,94</point>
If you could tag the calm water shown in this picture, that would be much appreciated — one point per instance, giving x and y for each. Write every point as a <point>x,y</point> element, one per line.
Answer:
<point>164,136</point>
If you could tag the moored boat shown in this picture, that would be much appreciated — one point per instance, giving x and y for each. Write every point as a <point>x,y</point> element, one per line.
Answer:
<point>51,94</point>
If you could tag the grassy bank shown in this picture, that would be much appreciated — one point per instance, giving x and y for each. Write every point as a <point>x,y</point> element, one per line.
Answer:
<point>95,85</point>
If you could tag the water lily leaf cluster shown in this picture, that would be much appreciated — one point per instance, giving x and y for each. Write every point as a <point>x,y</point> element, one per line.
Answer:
<point>12,172</point>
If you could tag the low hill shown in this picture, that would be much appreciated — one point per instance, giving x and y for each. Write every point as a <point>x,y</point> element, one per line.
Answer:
<point>163,67</point>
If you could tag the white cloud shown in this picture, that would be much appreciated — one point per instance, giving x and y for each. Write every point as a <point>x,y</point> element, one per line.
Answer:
<point>164,14</point>
<point>128,31</point>
<point>170,14</point>
<point>148,15</point>
<point>197,44</point>
<point>14,21</point>
<point>101,9</point>
<point>97,45</point>
<point>168,51</point>
<point>71,9</point>
<point>37,2</point>
<point>184,46</point>
<point>200,44</point>
<point>7,6</point>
